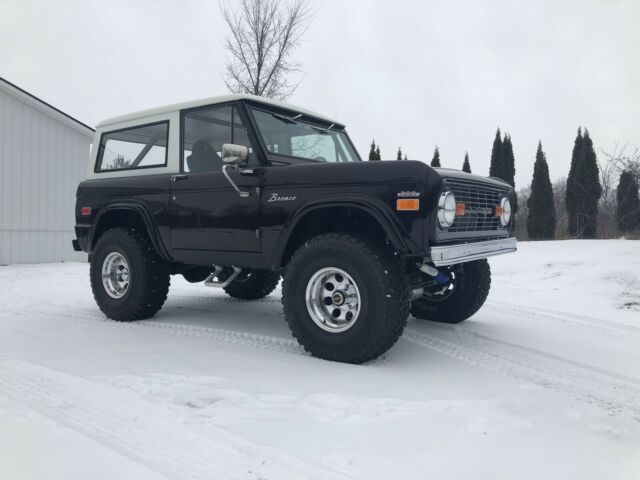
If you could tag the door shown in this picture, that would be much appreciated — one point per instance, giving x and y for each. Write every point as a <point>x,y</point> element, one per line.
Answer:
<point>206,213</point>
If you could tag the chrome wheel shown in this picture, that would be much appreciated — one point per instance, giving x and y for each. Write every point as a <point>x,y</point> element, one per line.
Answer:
<point>333,300</point>
<point>115,275</point>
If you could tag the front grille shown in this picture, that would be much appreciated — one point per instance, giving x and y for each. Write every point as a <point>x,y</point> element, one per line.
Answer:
<point>480,206</point>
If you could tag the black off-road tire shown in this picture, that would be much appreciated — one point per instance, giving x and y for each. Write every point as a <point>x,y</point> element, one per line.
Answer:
<point>384,293</point>
<point>149,276</point>
<point>471,287</point>
<point>196,274</point>
<point>252,284</point>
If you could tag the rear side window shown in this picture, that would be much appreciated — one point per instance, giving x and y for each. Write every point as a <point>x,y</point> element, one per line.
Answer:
<point>131,148</point>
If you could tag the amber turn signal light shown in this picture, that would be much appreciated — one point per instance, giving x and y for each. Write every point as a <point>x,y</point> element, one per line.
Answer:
<point>407,204</point>
<point>459,209</point>
<point>498,211</point>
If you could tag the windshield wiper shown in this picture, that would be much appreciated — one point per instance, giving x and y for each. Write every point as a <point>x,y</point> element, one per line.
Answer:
<point>287,119</point>
<point>324,131</point>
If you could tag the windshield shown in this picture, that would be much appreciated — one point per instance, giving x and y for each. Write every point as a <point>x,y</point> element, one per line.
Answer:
<point>294,137</point>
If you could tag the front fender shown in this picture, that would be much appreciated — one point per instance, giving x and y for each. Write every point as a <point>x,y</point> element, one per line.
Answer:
<point>377,209</point>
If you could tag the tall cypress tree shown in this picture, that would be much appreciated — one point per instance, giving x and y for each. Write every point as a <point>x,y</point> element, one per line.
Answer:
<point>496,169</point>
<point>378,153</point>
<point>541,221</point>
<point>372,152</point>
<point>466,166</point>
<point>435,161</point>
<point>627,203</point>
<point>509,161</point>
<point>571,191</point>
<point>593,187</point>
<point>583,188</point>
<point>399,156</point>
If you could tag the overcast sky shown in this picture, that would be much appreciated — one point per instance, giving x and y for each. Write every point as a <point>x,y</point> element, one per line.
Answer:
<point>410,73</point>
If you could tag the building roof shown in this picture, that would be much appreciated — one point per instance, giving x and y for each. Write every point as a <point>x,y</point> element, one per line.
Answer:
<point>39,104</point>
<point>212,101</point>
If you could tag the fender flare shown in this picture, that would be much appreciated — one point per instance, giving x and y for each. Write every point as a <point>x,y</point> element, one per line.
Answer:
<point>143,213</point>
<point>378,210</point>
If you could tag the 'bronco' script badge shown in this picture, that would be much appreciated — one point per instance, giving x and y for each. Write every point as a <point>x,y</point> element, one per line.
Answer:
<point>278,198</point>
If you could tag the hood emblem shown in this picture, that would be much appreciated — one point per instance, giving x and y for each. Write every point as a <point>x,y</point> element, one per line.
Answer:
<point>408,193</point>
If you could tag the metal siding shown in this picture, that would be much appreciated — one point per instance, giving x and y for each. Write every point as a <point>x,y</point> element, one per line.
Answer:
<point>42,160</point>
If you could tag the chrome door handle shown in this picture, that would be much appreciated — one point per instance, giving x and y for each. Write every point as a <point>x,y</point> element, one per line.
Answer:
<point>175,178</point>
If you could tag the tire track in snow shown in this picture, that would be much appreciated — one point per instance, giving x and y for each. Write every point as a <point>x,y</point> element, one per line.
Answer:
<point>92,317</point>
<point>146,433</point>
<point>606,327</point>
<point>616,394</point>
<point>208,299</point>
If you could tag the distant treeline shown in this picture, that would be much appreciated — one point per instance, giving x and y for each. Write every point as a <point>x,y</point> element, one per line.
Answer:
<point>597,199</point>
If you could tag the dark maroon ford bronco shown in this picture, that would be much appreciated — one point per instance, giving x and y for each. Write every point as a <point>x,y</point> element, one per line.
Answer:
<point>239,191</point>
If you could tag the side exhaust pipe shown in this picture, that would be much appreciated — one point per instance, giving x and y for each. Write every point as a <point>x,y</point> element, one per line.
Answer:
<point>212,282</point>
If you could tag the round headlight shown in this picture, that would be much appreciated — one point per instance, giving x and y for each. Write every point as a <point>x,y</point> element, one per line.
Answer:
<point>505,217</point>
<point>446,209</point>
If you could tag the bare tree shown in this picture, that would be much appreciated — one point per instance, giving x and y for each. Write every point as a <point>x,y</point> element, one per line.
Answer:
<point>562,217</point>
<point>606,211</point>
<point>611,166</point>
<point>520,219</point>
<point>263,37</point>
<point>619,160</point>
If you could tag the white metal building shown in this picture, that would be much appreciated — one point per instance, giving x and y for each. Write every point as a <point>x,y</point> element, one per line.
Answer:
<point>44,153</point>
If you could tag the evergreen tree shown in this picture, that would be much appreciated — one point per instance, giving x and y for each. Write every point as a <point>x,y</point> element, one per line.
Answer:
<point>435,161</point>
<point>372,152</point>
<point>583,188</point>
<point>399,157</point>
<point>627,203</point>
<point>571,189</point>
<point>496,169</point>
<point>541,219</point>
<point>508,161</point>
<point>405,156</point>
<point>378,153</point>
<point>466,166</point>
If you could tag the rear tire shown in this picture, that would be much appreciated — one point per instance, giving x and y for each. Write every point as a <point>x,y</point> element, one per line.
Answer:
<point>128,278</point>
<point>345,298</point>
<point>250,284</point>
<point>469,291</point>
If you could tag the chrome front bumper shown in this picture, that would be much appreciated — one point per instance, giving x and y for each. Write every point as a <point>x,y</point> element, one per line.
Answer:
<point>467,252</point>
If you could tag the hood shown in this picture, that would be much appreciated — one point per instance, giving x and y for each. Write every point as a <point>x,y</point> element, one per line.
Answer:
<point>370,172</point>
<point>460,175</point>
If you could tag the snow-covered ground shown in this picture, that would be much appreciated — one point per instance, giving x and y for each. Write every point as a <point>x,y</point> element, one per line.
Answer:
<point>544,382</point>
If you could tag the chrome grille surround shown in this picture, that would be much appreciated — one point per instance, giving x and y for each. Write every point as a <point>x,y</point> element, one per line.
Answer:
<point>480,202</point>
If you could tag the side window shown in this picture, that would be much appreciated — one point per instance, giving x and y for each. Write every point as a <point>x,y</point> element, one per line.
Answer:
<point>205,131</point>
<point>136,147</point>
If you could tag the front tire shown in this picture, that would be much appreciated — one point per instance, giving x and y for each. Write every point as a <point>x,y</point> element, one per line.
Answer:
<point>128,278</point>
<point>459,300</point>
<point>345,299</point>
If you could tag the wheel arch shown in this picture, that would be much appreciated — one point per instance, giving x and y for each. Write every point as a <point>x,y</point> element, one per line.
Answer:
<point>126,215</point>
<point>324,216</point>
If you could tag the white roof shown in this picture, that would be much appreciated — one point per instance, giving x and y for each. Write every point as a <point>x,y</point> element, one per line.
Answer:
<point>212,101</point>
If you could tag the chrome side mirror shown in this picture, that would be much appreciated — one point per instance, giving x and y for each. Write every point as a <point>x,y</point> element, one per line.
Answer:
<point>234,154</point>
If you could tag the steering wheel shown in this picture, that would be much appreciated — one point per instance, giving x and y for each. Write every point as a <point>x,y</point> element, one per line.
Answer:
<point>321,158</point>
